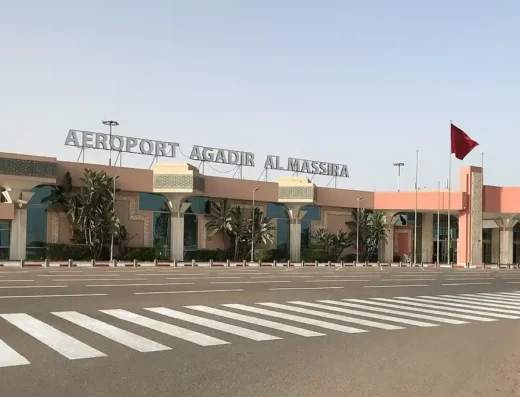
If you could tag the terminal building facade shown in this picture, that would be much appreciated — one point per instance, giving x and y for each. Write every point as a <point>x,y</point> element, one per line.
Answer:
<point>484,225</point>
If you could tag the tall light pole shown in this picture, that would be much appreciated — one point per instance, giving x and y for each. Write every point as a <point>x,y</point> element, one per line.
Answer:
<point>114,210</point>
<point>110,123</point>
<point>357,230</point>
<point>253,227</point>
<point>398,165</point>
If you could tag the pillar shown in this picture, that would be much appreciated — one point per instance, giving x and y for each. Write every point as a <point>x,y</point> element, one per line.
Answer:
<point>295,233</point>
<point>427,237</point>
<point>495,245</point>
<point>506,239</point>
<point>18,238</point>
<point>177,207</point>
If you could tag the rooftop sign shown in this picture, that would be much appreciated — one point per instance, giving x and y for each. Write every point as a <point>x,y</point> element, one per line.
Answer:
<point>117,143</point>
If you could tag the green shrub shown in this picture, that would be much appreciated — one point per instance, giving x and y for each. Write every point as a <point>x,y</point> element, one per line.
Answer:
<point>315,254</point>
<point>142,254</point>
<point>63,252</point>
<point>263,255</point>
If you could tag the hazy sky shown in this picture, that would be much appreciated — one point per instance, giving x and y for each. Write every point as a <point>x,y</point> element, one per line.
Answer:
<point>364,83</point>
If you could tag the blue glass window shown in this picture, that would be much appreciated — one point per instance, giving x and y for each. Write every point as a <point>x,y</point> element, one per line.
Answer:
<point>5,231</point>
<point>153,202</point>
<point>306,234</point>
<point>282,235</point>
<point>313,213</point>
<point>37,224</point>
<point>276,210</point>
<point>199,205</point>
<point>190,232</point>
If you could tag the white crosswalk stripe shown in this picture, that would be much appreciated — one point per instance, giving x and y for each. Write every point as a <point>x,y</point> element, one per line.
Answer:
<point>370,313</point>
<point>253,320</point>
<point>64,344</point>
<point>165,328</point>
<point>363,314</point>
<point>419,303</point>
<point>405,306</point>
<point>331,316</point>
<point>126,338</point>
<point>298,319</point>
<point>361,304</point>
<point>456,303</point>
<point>231,329</point>
<point>9,357</point>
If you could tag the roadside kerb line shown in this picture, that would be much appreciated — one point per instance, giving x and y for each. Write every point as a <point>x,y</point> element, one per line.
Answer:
<point>187,292</point>
<point>395,286</point>
<point>136,285</point>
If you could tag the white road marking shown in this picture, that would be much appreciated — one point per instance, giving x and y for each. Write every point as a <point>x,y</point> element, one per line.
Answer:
<point>452,284</point>
<point>9,357</point>
<point>493,298</point>
<point>509,298</point>
<point>64,344</point>
<point>510,293</point>
<point>48,296</point>
<point>78,275</point>
<point>31,286</point>
<point>219,326</point>
<point>187,292</point>
<point>165,328</point>
<point>136,284</point>
<point>485,302</point>
<point>298,319</point>
<point>406,306</point>
<point>339,280</point>
<point>331,316</point>
<point>250,282</point>
<point>257,321</point>
<point>302,288</point>
<point>472,305</point>
<point>363,314</point>
<point>422,303</point>
<point>362,304</point>
<point>279,276</point>
<point>469,279</point>
<point>118,335</point>
<point>407,279</point>
<point>14,280</point>
<point>101,279</point>
<point>395,286</point>
<point>201,278</point>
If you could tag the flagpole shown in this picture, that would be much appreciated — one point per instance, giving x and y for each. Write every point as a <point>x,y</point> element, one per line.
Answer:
<point>415,222</point>
<point>449,201</point>
<point>438,219</point>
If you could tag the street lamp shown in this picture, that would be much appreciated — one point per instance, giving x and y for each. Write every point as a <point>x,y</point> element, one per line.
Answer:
<point>253,227</point>
<point>114,210</point>
<point>398,165</point>
<point>357,230</point>
<point>110,123</point>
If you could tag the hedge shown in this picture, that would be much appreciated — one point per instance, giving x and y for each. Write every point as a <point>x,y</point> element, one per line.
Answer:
<point>315,254</point>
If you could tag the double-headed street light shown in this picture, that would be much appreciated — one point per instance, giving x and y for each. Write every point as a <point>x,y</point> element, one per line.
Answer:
<point>357,230</point>
<point>110,123</point>
<point>253,227</point>
<point>398,165</point>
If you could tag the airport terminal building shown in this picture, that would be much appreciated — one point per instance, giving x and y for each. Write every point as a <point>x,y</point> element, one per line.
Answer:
<point>169,201</point>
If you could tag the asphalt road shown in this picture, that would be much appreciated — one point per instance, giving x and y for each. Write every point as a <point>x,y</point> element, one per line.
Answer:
<point>287,332</point>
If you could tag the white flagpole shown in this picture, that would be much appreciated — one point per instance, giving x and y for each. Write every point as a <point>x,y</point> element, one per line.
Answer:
<point>438,219</point>
<point>415,223</point>
<point>449,202</point>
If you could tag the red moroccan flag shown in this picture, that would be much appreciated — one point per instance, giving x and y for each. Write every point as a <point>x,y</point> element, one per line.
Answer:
<point>461,143</point>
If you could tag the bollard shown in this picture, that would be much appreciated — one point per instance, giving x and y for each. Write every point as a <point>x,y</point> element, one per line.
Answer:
<point>274,263</point>
<point>316,263</point>
<point>211,263</point>
<point>244,263</point>
<point>354,264</point>
<point>342,264</point>
<point>114,262</point>
<point>175,263</point>
<point>136,263</point>
<point>155,262</point>
<point>329,263</point>
<point>366,263</point>
<point>400,264</point>
<point>228,263</point>
<point>193,263</point>
<point>93,262</point>
<point>22,262</point>
<point>259,263</point>
<point>46,263</point>
<point>71,263</point>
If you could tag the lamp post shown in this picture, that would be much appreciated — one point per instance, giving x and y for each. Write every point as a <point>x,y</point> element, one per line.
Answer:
<point>114,210</point>
<point>110,123</point>
<point>253,227</point>
<point>398,165</point>
<point>357,230</point>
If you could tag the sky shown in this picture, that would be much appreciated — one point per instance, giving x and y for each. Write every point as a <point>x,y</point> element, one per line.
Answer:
<point>361,83</point>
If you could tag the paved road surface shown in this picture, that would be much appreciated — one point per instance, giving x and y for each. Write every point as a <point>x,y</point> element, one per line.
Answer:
<point>259,332</point>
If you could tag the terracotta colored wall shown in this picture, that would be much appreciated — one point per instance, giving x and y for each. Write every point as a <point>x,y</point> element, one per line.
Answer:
<point>329,197</point>
<point>502,199</point>
<point>130,179</point>
<point>240,189</point>
<point>7,211</point>
<point>426,201</point>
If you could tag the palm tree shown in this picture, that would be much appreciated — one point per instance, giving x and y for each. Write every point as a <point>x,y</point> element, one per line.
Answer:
<point>334,243</point>
<point>219,220</point>
<point>364,230</point>
<point>238,228</point>
<point>264,228</point>
<point>378,232</point>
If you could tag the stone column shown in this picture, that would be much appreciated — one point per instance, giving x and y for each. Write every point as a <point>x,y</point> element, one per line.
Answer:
<point>295,233</point>
<point>427,237</point>
<point>495,245</point>
<point>177,207</point>
<point>18,241</point>
<point>506,239</point>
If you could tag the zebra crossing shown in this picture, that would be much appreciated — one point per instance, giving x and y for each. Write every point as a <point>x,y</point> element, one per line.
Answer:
<point>273,322</point>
